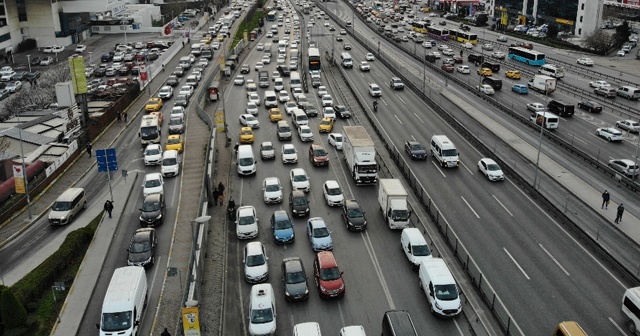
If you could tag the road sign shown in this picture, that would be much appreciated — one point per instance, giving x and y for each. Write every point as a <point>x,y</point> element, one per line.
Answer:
<point>107,160</point>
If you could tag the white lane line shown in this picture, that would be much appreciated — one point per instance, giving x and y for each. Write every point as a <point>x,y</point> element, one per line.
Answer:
<point>502,205</point>
<point>438,168</point>
<point>469,205</point>
<point>515,262</point>
<point>622,332</point>
<point>455,321</point>
<point>554,260</point>
<point>467,168</point>
<point>401,100</point>
<point>378,269</point>
<point>418,118</point>
<point>398,119</point>
<point>414,138</point>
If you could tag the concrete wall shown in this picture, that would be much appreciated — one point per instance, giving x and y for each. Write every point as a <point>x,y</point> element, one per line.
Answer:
<point>589,17</point>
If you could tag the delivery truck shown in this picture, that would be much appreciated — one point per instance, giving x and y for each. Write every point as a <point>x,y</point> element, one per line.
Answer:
<point>125,302</point>
<point>360,154</point>
<point>543,84</point>
<point>393,202</point>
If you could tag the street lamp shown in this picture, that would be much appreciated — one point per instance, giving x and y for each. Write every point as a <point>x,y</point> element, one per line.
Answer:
<point>29,62</point>
<point>195,224</point>
<point>544,115</point>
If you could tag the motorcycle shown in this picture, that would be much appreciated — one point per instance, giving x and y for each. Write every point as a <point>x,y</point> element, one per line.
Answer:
<point>231,210</point>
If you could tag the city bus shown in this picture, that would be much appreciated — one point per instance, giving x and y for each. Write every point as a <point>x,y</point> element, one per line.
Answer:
<point>551,70</point>
<point>438,33</point>
<point>271,16</point>
<point>527,56</point>
<point>463,37</point>
<point>420,26</point>
<point>314,59</point>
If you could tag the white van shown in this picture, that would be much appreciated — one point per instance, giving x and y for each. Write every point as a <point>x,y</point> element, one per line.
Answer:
<point>124,302</point>
<point>185,62</point>
<point>294,80</point>
<point>355,330</point>
<point>444,151</point>
<point>67,206</point>
<point>245,160</point>
<point>629,92</point>
<point>346,60</point>
<point>631,308</point>
<point>270,99</point>
<point>196,49</point>
<point>300,117</point>
<point>551,70</point>
<point>307,329</point>
<point>262,310</point>
<point>547,120</point>
<point>415,246</point>
<point>267,49</point>
<point>438,284</point>
<point>170,163</point>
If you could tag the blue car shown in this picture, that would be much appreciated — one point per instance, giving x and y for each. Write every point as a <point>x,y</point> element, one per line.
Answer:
<point>520,88</point>
<point>282,227</point>
<point>319,235</point>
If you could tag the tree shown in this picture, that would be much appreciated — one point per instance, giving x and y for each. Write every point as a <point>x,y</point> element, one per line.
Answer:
<point>482,20</point>
<point>622,34</point>
<point>599,41</point>
<point>13,313</point>
<point>552,31</point>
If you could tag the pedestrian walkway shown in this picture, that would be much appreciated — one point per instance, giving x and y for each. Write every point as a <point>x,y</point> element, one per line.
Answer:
<point>79,296</point>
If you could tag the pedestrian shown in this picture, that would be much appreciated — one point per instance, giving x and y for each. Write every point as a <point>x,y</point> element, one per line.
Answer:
<point>605,200</point>
<point>118,116</point>
<point>221,188</point>
<point>124,115</point>
<point>619,213</point>
<point>235,148</point>
<point>460,53</point>
<point>165,332</point>
<point>89,149</point>
<point>108,207</point>
<point>183,43</point>
<point>215,195</point>
<point>220,198</point>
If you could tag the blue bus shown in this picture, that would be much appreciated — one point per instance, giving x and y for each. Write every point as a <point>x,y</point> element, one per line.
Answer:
<point>271,16</point>
<point>527,56</point>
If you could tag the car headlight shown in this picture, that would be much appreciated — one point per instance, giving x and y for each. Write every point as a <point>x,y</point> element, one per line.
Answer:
<point>438,306</point>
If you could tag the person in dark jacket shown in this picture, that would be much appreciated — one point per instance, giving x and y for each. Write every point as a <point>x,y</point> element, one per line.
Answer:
<point>605,199</point>
<point>108,207</point>
<point>619,213</point>
<point>215,195</point>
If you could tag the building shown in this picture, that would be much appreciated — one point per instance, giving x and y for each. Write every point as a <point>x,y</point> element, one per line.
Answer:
<point>576,16</point>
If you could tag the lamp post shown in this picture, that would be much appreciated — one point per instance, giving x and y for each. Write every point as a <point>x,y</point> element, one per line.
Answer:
<point>24,170</point>
<point>29,62</point>
<point>544,114</point>
<point>90,53</point>
<point>635,163</point>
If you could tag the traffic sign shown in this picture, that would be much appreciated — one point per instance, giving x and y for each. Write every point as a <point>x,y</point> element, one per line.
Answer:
<point>107,160</point>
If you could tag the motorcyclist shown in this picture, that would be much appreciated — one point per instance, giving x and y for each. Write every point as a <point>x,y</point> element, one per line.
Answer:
<point>375,106</point>
<point>231,209</point>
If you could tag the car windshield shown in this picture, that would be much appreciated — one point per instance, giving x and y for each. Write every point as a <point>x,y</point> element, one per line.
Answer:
<point>267,147</point>
<point>299,178</point>
<point>320,232</point>
<point>338,139</point>
<point>400,214</point>
<point>246,220</point>
<point>152,183</point>
<point>449,152</point>
<point>153,151</point>
<point>305,130</point>
<point>169,162</point>
<point>255,260</point>
<point>493,167</point>
<point>173,141</point>
<point>272,187</point>
<point>250,118</point>
<point>282,224</point>
<point>140,247</point>
<point>113,322</point>
<point>173,121</point>
<point>151,206</point>
<point>334,191</point>
<point>355,213</point>
<point>319,152</point>
<point>246,132</point>
<point>245,161</point>
<point>289,150</point>
<point>327,274</point>
<point>295,277</point>
<point>446,292</point>
<point>61,206</point>
<point>299,201</point>
<point>259,316</point>
<point>417,147</point>
<point>421,250</point>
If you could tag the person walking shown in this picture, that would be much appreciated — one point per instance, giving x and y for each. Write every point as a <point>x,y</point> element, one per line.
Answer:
<point>220,198</point>
<point>221,188</point>
<point>108,207</point>
<point>165,332</point>
<point>124,115</point>
<point>118,116</point>
<point>619,213</point>
<point>605,200</point>
<point>89,149</point>
<point>215,195</point>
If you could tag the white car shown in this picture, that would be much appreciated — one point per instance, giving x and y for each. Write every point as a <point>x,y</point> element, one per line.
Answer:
<point>186,90</point>
<point>364,66</point>
<point>272,190</point>
<point>374,90</point>
<point>443,47</point>
<point>327,100</point>
<point>255,98</point>
<point>177,111</point>
<point>369,57</point>
<point>166,92</point>
<point>283,96</point>
<point>305,133</point>
<point>535,107</point>
<point>295,92</point>
<point>152,155</point>
<point>585,61</point>
<point>249,120</point>
<point>427,44</point>
<point>599,84</point>
<point>239,80</point>
<point>278,84</point>
<point>629,125</point>
<point>46,60</point>
<point>299,179</point>
<point>448,52</point>
<point>463,69</point>
<point>290,106</point>
<point>609,133</point>
<point>436,54</point>
<point>256,268</point>
<point>333,193</point>
<point>486,89</point>
<point>289,153</point>
<point>328,112</point>
<point>246,222</point>
<point>265,60</point>
<point>259,65</point>
<point>80,48</point>
<point>118,57</point>
<point>322,90</point>
<point>252,108</point>
<point>490,169</point>
<point>498,55</point>
<point>267,151</point>
<point>467,45</point>
<point>621,53</point>
<point>153,184</point>
<point>57,49</point>
<point>281,60</point>
<point>335,140</point>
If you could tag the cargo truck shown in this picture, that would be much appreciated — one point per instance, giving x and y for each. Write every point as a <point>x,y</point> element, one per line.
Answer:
<point>263,79</point>
<point>360,154</point>
<point>543,84</point>
<point>393,202</point>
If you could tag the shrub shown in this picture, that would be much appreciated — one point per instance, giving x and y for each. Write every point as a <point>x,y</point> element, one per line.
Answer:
<point>12,311</point>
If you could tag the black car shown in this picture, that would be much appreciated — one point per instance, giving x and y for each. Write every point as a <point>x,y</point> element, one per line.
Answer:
<point>19,76</point>
<point>397,39</point>
<point>152,211</point>
<point>443,23</point>
<point>172,81</point>
<point>152,56</point>
<point>284,70</point>
<point>179,71</point>
<point>100,72</point>
<point>142,247</point>
<point>353,216</point>
<point>181,100</point>
<point>124,71</point>
<point>299,203</point>
<point>106,57</point>
<point>342,111</point>
<point>347,46</point>
<point>245,69</point>
<point>4,94</point>
<point>295,279</point>
<point>339,38</point>
<point>590,106</point>
<point>415,150</point>
<point>135,70</point>
<point>36,61</point>
<point>310,110</point>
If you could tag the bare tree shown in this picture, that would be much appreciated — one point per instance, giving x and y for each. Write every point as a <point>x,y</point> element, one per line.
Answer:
<point>4,144</point>
<point>600,41</point>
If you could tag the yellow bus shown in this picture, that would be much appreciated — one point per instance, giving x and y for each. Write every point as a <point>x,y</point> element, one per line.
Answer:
<point>420,26</point>
<point>463,37</point>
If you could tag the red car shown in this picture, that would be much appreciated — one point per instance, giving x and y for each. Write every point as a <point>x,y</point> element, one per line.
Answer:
<point>328,275</point>
<point>458,59</point>
<point>447,67</point>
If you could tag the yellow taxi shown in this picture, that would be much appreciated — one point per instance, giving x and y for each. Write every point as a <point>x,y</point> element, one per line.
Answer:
<point>246,135</point>
<point>220,37</point>
<point>275,114</point>
<point>153,105</point>
<point>159,115</point>
<point>326,125</point>
<point>206,39</point>
<point>513,74</point>
<point>485,72</point>
<point>174,141</point>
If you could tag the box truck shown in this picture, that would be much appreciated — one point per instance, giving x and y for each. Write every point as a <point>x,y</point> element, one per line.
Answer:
<point>393,202</point>
<point>360,154</point>
<point>543,84</point>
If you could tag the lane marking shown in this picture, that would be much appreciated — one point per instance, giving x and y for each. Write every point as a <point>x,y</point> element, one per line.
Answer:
<point>469,205</point>
<point>554,259</point>
<point>398,119</point>
<point>467,168</point>
<point>622,332</point>
<point>515,262</point>
<point>502,205</point>
<point>419,118</point>
<point>378,269</point>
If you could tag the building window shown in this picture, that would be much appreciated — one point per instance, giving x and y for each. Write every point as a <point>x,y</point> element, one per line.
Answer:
<point>3,11</point>
<point>580,19</point>
<point>582,7</point>
<point>5,37</point>
<point>22,10</point>
<point>579,31</point>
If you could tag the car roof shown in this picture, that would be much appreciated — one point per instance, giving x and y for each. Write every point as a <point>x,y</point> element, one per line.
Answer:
<point>254,248</point>
<point>280,214</point>
<point>246,209</point>
<point>326,259</point>
<point>293,264</point>
<point>152,198</point>
<point>317,222</point>
<point>351,204</point>
<point>332,184</point>
<point>152,176</point>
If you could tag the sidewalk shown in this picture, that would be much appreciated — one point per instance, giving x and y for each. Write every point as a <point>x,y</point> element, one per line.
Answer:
<point>78,298</point>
